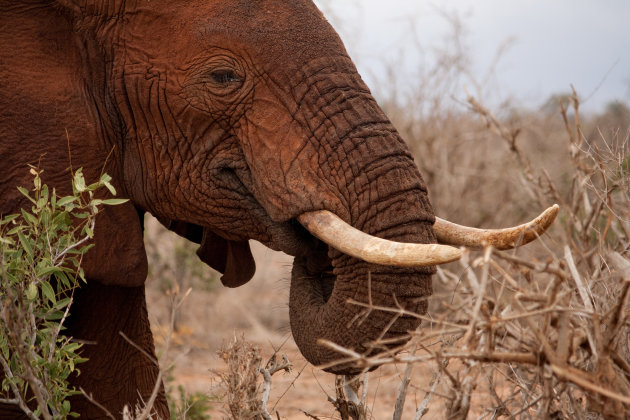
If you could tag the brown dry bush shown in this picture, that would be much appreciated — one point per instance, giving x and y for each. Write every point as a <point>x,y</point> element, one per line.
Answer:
<point>240,382</point>
<point>244,387</point>
<point>540,332</point>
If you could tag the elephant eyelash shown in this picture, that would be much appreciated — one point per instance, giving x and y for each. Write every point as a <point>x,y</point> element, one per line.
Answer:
<point>224,77</point>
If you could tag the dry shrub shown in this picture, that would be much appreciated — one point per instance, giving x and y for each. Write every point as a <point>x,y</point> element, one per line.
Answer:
<point>542,331</point>
<point>240,382</point>
<point>246,383</point>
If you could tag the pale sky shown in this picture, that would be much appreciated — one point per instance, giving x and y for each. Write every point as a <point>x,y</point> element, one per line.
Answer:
<point>551,44</point>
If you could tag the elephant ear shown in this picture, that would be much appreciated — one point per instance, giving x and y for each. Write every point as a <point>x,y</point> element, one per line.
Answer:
<point>118,257</point>
<point>55,113</point>
<point>233,259</point>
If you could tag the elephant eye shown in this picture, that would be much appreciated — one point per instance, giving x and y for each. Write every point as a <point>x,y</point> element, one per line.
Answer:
<point>224,77</point>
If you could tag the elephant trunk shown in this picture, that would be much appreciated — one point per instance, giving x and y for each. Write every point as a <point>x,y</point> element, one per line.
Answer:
<point>323,301</point>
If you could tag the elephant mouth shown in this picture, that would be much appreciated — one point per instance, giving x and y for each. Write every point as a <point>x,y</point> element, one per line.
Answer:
<point>319,231</point>
<point>345,268</point>
<point>318,266</point>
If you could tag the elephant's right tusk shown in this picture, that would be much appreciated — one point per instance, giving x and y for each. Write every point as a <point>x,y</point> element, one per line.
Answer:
<point>335,232</point>
<point>502,239</point>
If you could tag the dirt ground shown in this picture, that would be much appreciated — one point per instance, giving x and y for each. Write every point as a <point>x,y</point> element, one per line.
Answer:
<point>259,312</point>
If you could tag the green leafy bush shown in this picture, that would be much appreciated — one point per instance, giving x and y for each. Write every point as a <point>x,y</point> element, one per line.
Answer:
<point>40,259</point>
<point>190,406</point>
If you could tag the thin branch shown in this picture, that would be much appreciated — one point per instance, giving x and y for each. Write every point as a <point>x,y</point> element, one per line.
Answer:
<point>480,292</point>
<point>97,404</point>
<point>424,405</point>
<point>402,391</point>
<point>272,367</point>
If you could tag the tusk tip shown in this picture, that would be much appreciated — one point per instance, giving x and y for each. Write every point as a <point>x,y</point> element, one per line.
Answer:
<point>553,210</point>
<point>452,254</point>
<point>546,219</point>
<point>501,239</point>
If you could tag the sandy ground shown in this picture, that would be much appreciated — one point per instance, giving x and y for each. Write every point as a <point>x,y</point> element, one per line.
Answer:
<point>259,312</point>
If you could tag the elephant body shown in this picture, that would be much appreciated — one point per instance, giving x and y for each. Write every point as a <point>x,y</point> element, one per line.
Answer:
<point>226,120</point>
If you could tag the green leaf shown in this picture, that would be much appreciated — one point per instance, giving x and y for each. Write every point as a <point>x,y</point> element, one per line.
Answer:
<point>7,241</point>
<point>4,346</point>
<point>85,248</point>
<point>115,201</point>
<point>62,303</point>
<point>53,199</point>
<point>79,181</point>
<point>31,292</point>
<point>15,230</point>
<point>41,203</point>
<point>63,279</point>
<point>45,193</point>
<point>62,219</point>
<point>25,243</point>
<point>29,217</point>
<point>110,187</point>
<point>9,219</point>
<point>93,187</point>
<point>54,316</point>
<point>66,200</point>
<point>48,292</point>
<point>72,347</point>
<point>26,193</point>
<point>46,271</point>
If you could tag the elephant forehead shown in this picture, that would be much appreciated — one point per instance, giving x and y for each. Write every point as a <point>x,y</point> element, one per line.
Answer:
<point>282,31</point>
<point>277,37</point>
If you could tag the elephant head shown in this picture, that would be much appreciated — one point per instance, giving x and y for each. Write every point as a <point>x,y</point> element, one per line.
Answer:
<point>237,118</point>
<point>229,121</point>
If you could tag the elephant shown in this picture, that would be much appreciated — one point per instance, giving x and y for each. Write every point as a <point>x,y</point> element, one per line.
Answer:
<point>229,121</point>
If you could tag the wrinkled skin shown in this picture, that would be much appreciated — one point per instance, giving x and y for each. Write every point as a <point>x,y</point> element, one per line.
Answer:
<point>226,120</point>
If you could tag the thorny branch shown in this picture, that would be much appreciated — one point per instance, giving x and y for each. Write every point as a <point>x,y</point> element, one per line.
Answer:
<point>546,327</point>
<point>273,366</point>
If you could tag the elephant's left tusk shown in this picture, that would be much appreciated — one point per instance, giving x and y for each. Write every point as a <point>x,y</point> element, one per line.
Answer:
<point>335,232</point>
<point>502,239</point>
